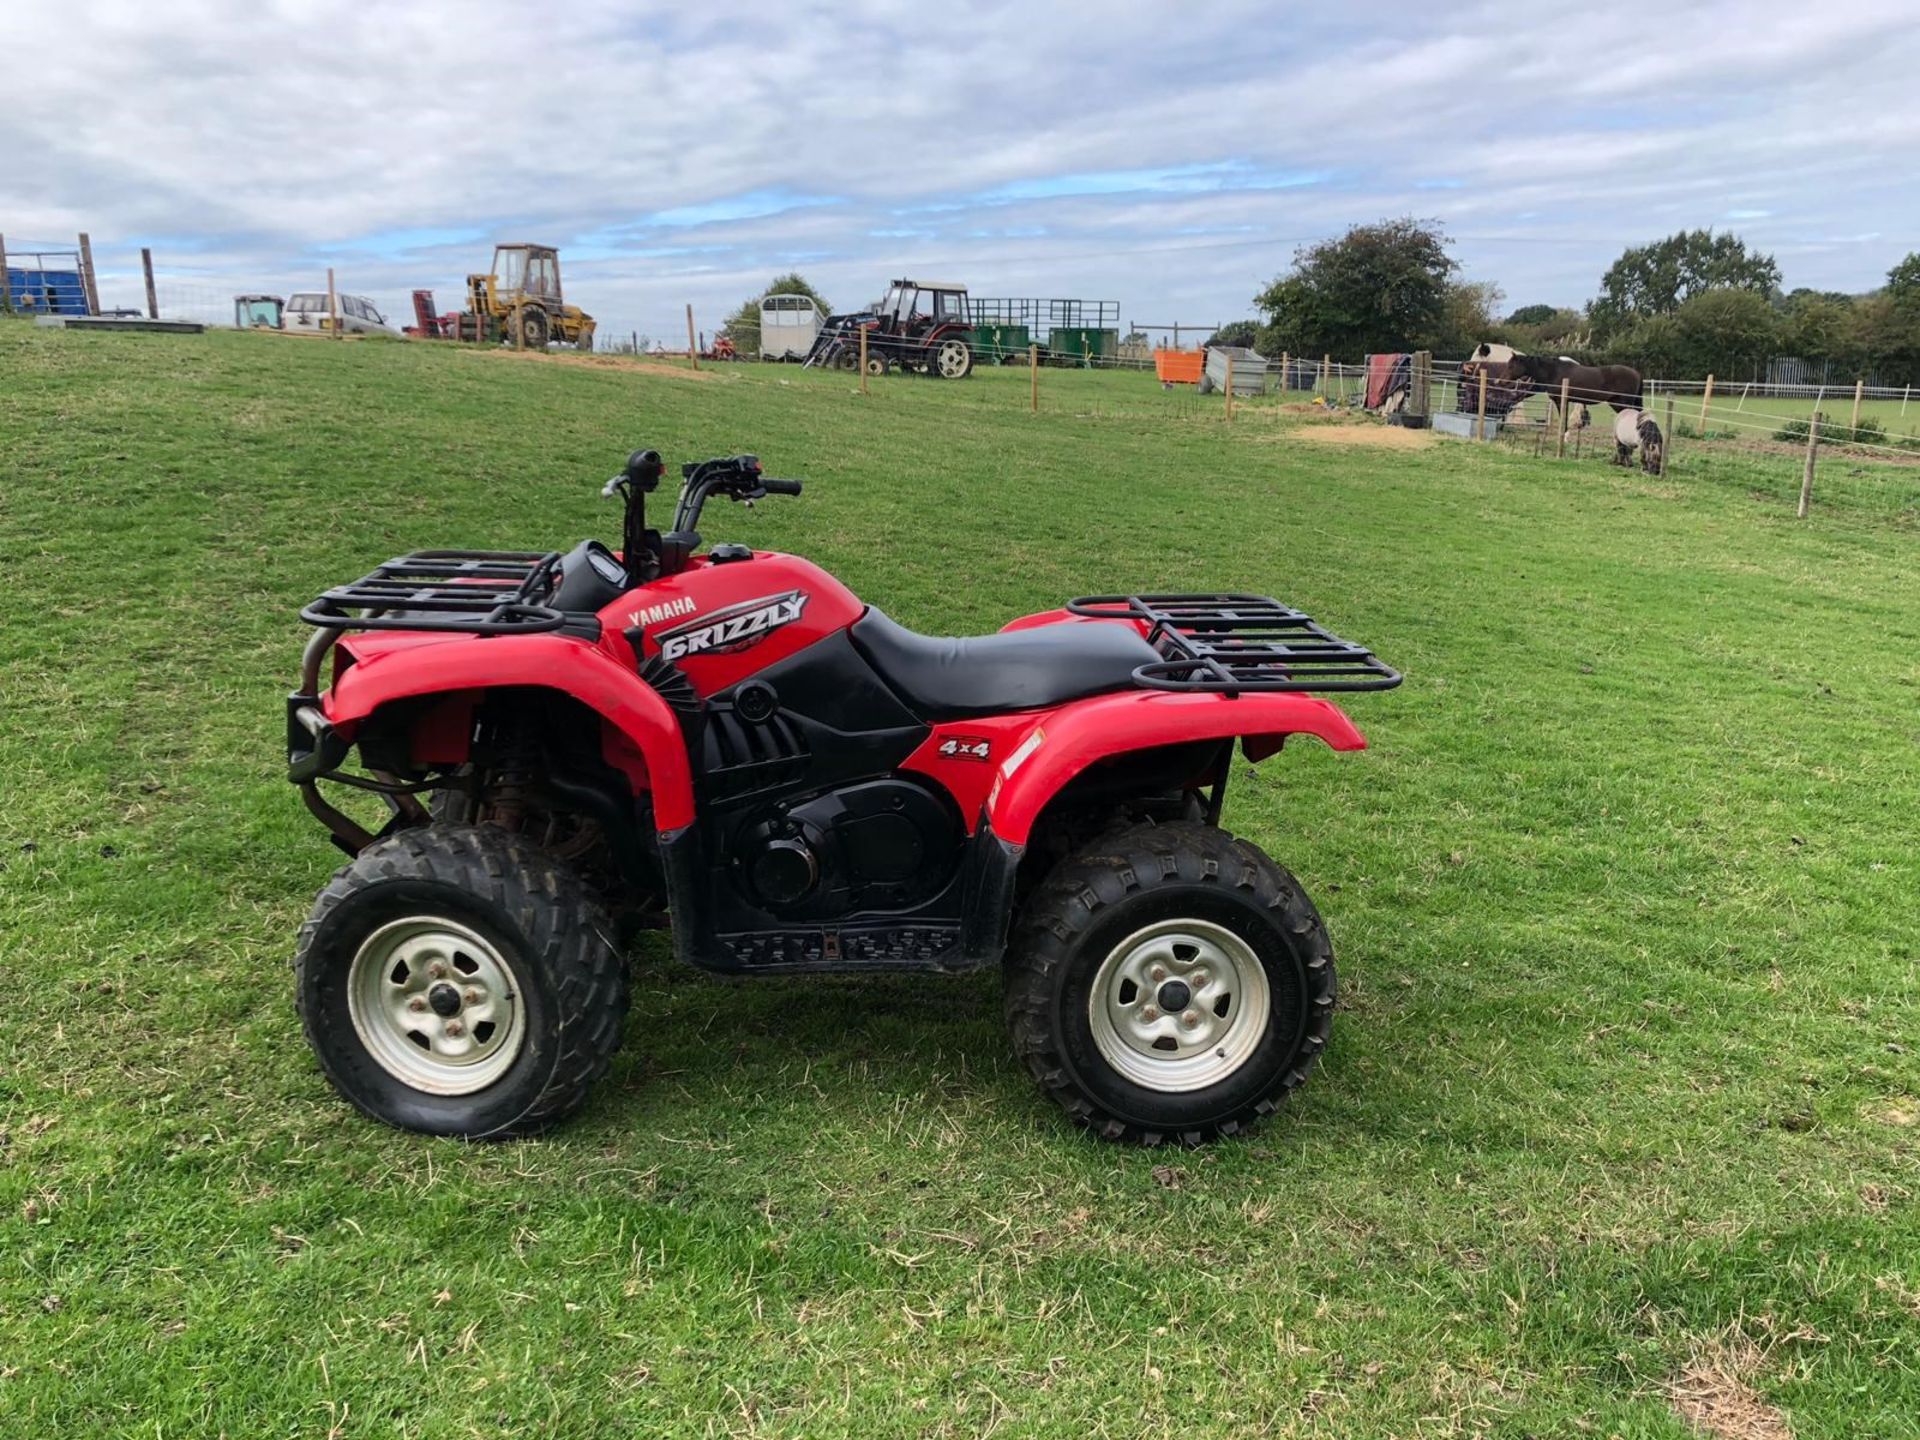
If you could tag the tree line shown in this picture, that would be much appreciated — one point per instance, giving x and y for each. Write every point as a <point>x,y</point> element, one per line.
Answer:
<point>1693,304</point>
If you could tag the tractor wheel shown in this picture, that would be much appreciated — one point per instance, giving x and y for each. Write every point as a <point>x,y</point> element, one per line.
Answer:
<point>952,359</point>
<point>1169,983</point>
<point>530,327</point>
<point>458,981</point>
<point>878,364</point>
<point>583,340</point>
<point>847,357</point>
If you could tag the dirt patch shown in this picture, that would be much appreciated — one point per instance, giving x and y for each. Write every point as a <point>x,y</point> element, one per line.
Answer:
<point>640,364</point>
<point>1712,1394</point>
<point>1384,437</point>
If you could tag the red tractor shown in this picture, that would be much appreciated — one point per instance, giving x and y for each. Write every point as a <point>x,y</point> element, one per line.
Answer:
<point>921,326</point>
<point>572,745</point>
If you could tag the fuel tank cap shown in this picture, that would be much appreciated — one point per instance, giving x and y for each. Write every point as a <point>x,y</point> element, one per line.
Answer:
<point>724,554</point>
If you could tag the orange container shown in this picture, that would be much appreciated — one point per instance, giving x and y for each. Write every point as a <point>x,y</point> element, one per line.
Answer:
<point>1179,367</point>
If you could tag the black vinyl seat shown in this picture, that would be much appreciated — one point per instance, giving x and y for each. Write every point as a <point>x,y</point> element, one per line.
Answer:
<point>958,679</point>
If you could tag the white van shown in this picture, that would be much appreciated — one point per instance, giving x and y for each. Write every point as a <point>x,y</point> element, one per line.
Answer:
<point>308,310</point>
<point>788,325</point>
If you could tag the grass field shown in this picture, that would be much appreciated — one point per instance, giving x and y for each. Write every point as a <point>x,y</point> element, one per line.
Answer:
<point>1619,1132</point>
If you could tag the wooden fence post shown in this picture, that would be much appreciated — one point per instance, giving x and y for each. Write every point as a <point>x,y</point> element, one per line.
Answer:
<point>146,265</point>
<point>863,360</point>
<point>1706,399</point>
<point>1903,399</point>
<point>1745,390</point>
<point>1666,450</point>
<point>1229,385</point>
<point>1859,389</point>
<point>333,304</point>
<point>1326,378</point>
<point>87,281</point>
<point>1560,451</point>
<point>1420,385</point>
<point>1286,375</point>
<point>1033,378</point>
<point>1480,419</point>
<point>1806,475</point>
<point>635,342</point>
<point>693,354</point>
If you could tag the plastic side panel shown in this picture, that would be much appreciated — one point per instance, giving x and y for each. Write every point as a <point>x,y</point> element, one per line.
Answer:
<point>964,756</point>
<point>1063,617</point>
<point>1072,738</point>
<point>552,662</point>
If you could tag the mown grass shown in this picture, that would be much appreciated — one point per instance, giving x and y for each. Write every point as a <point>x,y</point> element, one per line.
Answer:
<point>1623,898</point>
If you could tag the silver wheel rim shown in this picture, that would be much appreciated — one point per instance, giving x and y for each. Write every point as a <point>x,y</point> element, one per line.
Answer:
<point>952,358</point>
<point>1198,1043</point>
<point>435,1005</point>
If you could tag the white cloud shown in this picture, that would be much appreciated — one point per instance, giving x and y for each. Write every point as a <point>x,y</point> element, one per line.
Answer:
<point>1167,158</point>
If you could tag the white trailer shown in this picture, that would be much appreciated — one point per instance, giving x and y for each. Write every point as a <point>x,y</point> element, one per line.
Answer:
<point>788,326</point>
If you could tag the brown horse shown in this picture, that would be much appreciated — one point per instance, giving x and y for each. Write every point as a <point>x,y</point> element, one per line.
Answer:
<point>1617,385</point>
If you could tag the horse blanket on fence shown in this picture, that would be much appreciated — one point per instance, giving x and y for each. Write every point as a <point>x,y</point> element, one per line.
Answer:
<point>1387,375</point>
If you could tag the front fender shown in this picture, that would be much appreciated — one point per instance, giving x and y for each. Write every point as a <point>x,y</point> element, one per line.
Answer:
<point>1069,740</point>
<point>552,662</point>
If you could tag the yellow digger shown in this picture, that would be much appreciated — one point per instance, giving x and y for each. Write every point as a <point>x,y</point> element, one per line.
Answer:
<point>521,301</point>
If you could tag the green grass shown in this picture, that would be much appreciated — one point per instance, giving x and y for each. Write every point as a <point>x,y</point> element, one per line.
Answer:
<point>1624,900</point>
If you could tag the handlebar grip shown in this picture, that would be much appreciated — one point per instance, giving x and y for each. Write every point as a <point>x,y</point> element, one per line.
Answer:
<point>780,487</point>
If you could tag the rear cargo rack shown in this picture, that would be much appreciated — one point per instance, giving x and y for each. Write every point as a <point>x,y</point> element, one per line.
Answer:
<point>473,592</point>
<point>1231,643</point>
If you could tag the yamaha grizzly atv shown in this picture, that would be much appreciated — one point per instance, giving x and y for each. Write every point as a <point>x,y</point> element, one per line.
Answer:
<point>574,743</point>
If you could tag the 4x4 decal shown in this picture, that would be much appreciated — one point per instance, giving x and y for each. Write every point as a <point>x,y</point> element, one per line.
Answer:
<point>735,628</point>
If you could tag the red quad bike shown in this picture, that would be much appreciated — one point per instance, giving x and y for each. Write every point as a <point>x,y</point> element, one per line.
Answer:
<point>571,743</point>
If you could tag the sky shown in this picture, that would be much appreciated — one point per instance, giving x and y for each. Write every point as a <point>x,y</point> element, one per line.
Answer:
<point>1167,157</point>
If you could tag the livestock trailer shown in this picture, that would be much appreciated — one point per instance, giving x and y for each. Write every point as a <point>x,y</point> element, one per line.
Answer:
<point>789,324</point>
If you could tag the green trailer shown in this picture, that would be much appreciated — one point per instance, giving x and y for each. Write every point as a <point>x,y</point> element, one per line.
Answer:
<point>1001,342</point>
<point>1069,332</point>
<point>1082,345</point>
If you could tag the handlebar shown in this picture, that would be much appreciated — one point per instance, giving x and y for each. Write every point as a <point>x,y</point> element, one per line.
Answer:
<point>737,477</point>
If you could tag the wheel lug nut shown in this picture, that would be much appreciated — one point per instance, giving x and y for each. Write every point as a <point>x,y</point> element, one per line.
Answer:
<point>1190,1019</point>
<point>438,969</point>
<point>418,1002</point>
<point>472,997</point>
<point>455,1028</point>
<point>1149,1012</point>
<point>1158,973</point>
<point>1199,979</point>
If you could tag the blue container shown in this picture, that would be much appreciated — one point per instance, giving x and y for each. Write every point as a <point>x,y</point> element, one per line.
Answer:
<point>46,292</point>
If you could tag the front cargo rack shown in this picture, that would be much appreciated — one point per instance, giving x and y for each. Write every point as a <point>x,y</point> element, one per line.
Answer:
<point>473,592</point>
<point>1231,643</point>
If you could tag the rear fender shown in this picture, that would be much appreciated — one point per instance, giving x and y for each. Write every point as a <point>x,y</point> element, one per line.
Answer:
<point>1066,741</point>
<point>641,726</point>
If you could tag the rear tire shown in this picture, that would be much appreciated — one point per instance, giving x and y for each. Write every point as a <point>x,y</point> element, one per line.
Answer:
<point>1169,983</point>
<point>520,991</point>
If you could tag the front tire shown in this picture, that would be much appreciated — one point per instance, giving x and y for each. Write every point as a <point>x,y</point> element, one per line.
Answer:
<point>455,980</point>
<point>530,327</point>
<point>1169,983</point>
